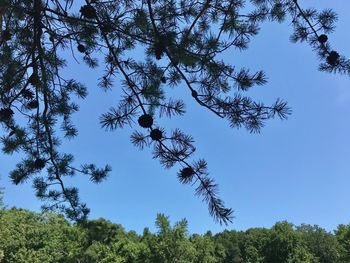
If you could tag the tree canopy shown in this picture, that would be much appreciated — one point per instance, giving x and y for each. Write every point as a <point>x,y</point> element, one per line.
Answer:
<point>182,41</point>
<point>47,237</point>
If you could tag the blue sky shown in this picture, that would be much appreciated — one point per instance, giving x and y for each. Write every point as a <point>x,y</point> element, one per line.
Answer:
<point>296,170</point>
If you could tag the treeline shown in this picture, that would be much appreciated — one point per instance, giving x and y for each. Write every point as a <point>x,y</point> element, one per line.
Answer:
<point>31,237</point>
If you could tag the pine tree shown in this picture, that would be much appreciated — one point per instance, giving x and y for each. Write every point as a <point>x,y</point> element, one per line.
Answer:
<point>182,42</point>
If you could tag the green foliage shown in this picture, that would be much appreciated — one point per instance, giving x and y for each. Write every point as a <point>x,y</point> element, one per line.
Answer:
<point>32,237</point>
<point>324,246</point>
<point>343,238</point>
<point>301,255</point>
<point>282,240</point>
<point>204,247</point>
<point>101,230</point>
<point>171,242</point>
<point>254,245</point>
<point>227,247</point>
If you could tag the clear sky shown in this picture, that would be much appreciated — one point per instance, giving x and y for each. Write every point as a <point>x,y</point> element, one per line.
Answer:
<point>296,170</point>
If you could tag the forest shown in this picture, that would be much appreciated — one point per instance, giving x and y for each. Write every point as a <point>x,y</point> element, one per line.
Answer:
<point>27,236</point>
